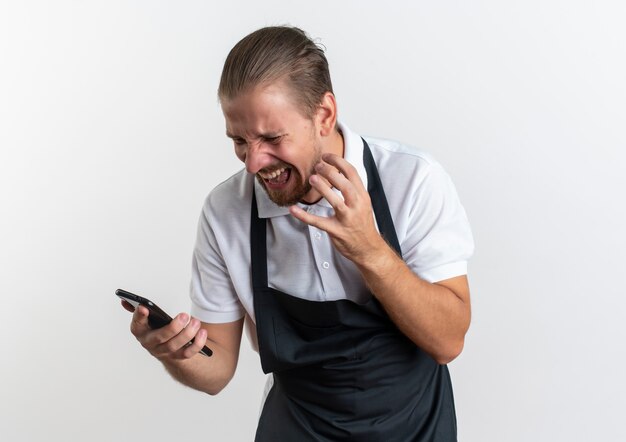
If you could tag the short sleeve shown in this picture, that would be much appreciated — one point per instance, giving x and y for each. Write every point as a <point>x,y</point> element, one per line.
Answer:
<point>439,240</point>
<point>213,297</point>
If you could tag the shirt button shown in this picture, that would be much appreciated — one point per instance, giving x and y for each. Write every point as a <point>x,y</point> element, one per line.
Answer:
<point>325,264</point>
<point>318,235</point>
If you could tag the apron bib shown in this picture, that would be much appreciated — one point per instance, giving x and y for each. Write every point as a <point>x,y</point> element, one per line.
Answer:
<point>343,371</point>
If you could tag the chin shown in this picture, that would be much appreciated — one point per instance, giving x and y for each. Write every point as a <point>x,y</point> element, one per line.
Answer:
<point>283,200</point>
<point>289,197</point>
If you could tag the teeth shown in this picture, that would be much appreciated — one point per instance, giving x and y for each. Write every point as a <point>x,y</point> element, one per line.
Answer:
<point>272,175</point>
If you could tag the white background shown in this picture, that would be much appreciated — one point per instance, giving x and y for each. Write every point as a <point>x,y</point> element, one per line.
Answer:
<point>111,136</point>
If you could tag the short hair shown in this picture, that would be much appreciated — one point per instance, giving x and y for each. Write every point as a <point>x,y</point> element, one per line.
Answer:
<point>278,53</point>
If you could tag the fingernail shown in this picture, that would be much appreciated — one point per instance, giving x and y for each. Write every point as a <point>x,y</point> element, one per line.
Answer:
<point>184,318</point>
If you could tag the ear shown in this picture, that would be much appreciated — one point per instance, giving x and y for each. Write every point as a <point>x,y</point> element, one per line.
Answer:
<point>326,115</point>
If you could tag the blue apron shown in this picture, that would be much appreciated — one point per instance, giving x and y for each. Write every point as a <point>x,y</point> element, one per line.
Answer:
<point>343,371</point>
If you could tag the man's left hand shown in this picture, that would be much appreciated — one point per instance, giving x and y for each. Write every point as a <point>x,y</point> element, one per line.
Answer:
<point>352,228</point>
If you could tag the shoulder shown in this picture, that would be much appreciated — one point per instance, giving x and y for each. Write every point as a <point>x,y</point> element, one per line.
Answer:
<point>416,185</point>
<point>401,162</point>
<point>384,147</point>
<point>230,199</point>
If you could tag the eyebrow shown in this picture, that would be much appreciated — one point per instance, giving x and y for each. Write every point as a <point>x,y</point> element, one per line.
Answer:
<point>265,135</point>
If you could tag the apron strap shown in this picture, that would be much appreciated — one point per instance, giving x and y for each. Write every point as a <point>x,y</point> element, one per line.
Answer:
<point>379,200</point>
<point>258,246</point>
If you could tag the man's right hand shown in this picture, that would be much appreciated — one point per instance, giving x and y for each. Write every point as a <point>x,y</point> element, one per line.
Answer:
<point>171,342</point>
<point>170,345</point>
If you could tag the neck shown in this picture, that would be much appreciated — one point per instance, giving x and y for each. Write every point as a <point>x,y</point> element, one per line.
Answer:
<point>336,144</point>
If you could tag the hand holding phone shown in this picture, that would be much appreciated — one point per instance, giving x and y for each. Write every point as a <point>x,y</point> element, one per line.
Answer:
<point>157,318</point>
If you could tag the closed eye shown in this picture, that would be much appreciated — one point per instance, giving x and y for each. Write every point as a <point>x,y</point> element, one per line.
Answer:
<point>273,140</point>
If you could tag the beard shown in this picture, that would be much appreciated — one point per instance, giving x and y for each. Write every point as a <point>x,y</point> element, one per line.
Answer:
<point>299,185</point>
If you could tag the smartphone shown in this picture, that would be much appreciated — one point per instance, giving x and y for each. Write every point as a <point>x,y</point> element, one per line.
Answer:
<point>157,318</point>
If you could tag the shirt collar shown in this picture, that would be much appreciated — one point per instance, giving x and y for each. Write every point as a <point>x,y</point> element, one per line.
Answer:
<point>353,153</point>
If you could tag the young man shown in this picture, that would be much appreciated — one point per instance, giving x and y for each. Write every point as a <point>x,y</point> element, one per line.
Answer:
<point>347,257</point>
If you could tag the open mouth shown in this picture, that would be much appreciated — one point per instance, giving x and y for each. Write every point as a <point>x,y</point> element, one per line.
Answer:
<point>276,178</point>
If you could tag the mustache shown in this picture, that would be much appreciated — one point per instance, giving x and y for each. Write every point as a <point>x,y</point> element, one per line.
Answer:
<point>274,168</point>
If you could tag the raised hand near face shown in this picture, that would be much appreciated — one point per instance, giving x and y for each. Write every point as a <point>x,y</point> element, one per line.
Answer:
<point>352,228</point>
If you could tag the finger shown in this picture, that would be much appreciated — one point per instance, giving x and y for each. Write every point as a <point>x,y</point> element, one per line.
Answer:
<point>337,180</point>
<point>199,341</point>
<point>322,223</point>
<point>347,169</point>
<point>331,173</point>
<point>182,339</point>
<point>161,335</point>
<point>128,306</point>
<point>139,324</point>
<point>325,189</point>
<point>349,190</point>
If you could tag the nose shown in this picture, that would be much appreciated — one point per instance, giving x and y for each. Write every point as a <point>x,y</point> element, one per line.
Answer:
<point>257,158</point>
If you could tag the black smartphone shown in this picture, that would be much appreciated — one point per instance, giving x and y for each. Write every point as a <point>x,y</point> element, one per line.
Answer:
<point>157,318</point>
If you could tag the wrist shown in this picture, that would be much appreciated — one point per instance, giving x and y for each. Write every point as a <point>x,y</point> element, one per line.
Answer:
<point>379,255</point>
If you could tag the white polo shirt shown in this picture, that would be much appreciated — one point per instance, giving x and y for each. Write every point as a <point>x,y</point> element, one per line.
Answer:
<point>430,223</point>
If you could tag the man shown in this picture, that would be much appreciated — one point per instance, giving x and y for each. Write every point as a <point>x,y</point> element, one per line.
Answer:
<point>347,257</point>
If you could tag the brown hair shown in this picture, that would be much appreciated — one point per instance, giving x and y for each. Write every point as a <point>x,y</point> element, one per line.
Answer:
<point>278,53</point>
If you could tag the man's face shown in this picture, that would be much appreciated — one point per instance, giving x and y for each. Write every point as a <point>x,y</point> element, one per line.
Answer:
<point>275,141</point>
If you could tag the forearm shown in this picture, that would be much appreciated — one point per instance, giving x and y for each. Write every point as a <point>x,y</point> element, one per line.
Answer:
<point>433,316</point>
<point>206,374</point>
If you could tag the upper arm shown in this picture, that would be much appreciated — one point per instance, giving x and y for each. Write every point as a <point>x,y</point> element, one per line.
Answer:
<point>435,234</point>
<point>213,295</point>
